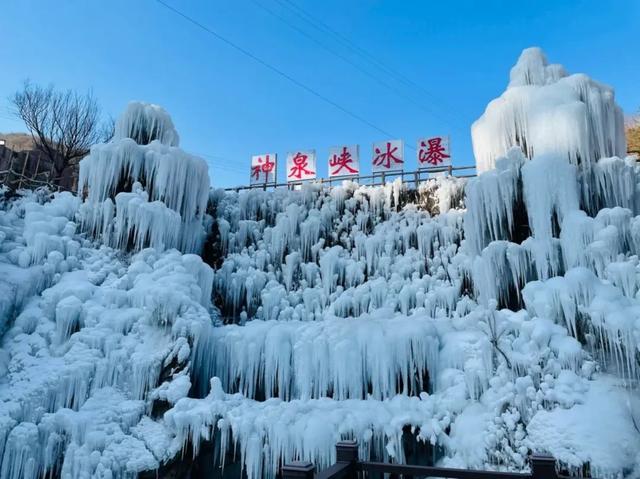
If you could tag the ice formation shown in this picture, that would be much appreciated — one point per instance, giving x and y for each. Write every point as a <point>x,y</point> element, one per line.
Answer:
<point>144,123</point>
<point>479,321</point>
<point>141,189</point>
<point>544,111</point>
<point>79,359</point>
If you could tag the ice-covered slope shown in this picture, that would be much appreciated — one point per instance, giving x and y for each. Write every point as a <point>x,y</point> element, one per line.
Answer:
<point>529,301</point>
<point>93,337</point>
<point>79,360</point>
<point>353,302</point>
<point>478,321</point>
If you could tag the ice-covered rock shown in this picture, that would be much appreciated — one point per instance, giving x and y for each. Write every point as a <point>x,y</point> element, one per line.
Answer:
<point>144,123</point>
<point>142,190</point>
<point>546,112</point>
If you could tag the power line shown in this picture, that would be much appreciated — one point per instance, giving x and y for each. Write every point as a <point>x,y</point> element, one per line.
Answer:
<point>213,160</point>
<point>345,41</point>
<point>349,61</point>
<point>319,24</point>
<point>274,69</point>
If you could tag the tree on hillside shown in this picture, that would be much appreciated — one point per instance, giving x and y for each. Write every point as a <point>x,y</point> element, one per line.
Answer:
<point>633,136</point>
<point>63,124</point>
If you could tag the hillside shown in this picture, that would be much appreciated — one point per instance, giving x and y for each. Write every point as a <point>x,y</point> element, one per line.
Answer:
<point>18,141</point>
<point>633,136</point>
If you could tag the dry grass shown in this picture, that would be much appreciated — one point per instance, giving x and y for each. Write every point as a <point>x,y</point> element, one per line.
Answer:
<point>18,141</point>
<point>633,136</point>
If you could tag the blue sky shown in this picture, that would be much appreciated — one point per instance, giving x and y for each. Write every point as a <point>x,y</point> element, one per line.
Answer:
<point>227,107</point>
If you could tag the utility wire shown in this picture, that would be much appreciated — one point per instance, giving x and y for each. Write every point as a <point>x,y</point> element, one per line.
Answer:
<point>274,69</point>
<point>345,41</point>
<point>213,159</point>
<point>349,61</point>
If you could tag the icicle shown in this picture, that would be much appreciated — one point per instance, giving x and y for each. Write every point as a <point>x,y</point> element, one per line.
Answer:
<point>491,198</point>
<point>314,359</point>
<point>550,191</point>
<point>144,123</point>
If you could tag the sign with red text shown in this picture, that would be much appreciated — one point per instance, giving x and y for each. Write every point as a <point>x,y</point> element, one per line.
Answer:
<point>433,152</point>
<point>388,156</point>
<point>263,169</point>
<point>344,161</point>
<point>301,165</point>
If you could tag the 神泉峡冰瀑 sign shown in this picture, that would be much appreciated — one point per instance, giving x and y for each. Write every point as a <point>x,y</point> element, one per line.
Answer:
<point>388,156</point>
<point>301,165</point>
<point>344,161</point>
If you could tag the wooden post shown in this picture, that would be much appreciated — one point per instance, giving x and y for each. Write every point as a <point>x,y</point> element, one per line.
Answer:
<point>51,180</point>
<point>298,470</point>
<point>450,170</point>
<point>24,168</point>
<point>35,175</point>
<point>347,452</point>
<point>543,467</point>
<point>10,169</point>
<point>416,179</point>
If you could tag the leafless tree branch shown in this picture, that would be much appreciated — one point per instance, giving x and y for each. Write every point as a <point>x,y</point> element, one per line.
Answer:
<point>63,124</point>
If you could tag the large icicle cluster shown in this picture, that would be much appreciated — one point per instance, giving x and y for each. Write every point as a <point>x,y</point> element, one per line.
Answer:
<point>544,111</point>
<point>36,244</point>
<point>141,189</point>
<point>348,251</point>
<point>374,357</point>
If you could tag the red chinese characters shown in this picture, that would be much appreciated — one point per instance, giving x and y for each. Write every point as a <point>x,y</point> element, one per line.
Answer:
<point>433,152</point>
<point>301,165</point>
<point>263,169</point>
<point>388,156</point>
<point>344,161</point>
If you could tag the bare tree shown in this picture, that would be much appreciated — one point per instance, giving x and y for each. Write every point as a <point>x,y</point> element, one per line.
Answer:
<point>63,124</point>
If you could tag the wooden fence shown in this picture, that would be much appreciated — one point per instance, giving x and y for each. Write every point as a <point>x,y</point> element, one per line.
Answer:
<point>348,466</point>
<point>376,179</point>
<point>33,169</point>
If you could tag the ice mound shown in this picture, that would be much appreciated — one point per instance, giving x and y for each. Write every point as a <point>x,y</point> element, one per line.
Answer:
<point>544,111</point>
<point>142,190</point>
<point>144,123</point>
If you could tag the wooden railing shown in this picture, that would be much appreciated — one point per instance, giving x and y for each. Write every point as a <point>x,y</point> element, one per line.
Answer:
<point>32,169</point>
<point>19,181</point>
<point>348,466</point>
<point>376,179</point>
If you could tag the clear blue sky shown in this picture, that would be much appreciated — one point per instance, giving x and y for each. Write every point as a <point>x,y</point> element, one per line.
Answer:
<point>227,107</point>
